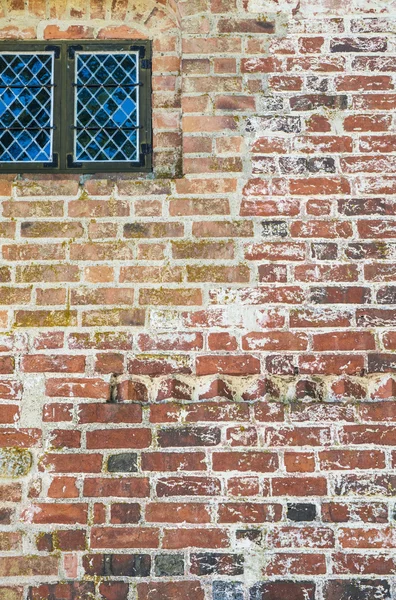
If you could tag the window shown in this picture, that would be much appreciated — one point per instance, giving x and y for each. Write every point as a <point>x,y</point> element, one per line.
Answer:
<point>75,108</point>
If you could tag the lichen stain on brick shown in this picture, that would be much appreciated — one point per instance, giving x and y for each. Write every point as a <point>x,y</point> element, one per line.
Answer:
<point>15,462</point>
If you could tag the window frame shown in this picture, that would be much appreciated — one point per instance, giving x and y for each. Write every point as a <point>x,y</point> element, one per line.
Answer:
<point>64,106</point>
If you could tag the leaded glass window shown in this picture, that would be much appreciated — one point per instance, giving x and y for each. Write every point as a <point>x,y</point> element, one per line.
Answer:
<point>26,106</point>
<point>71,107</point>
<point>107,110</point>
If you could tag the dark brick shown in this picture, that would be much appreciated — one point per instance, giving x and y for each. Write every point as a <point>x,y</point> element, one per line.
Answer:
<point>365,485</point>
<point>253,535</point>
<point>325,251</point>
<point>135,565</point>
<point>338,295</point>
<point>76,590</point>
<point>324,164</point>
<point>169,565</point>
<point>367,250</point>
<point>301,512</point>
<point>69,541</point>
<point>123,512</point>
<point>358,44</point>
<point>313,101</point>
<point>227,590</point>
<point>282,590</point>
<point>366,206</point>
<point>376,317</point>
<point>280,364</point>
<point>45,542</point>
<point>188,436</point>
<point>117,565</point>
<point>387,295</point>
<point>246,26</point>
<point>287,124</point>
<point>275,229</point>
<point>381,363</point>
<point>215,562</point>
<point>114,590</point>
<point>271,104</point>
<point>364,589</point>
<point>6,515</point>
<point>293,164</point>
<point>122,463</point>
<point>307,387</point>
<point>317,84</point>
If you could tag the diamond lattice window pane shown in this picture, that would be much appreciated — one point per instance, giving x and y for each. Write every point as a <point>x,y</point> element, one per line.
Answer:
<point>107,101</point>
<point>26,103</point>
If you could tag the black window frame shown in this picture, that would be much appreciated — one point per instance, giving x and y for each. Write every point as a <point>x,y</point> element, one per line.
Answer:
<point>63,109</point>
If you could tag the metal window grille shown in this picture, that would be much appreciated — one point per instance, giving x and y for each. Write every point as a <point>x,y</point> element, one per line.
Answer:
<point>75,108</point>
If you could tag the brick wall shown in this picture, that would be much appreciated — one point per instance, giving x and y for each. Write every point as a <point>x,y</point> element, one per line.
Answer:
<point>197,367</point>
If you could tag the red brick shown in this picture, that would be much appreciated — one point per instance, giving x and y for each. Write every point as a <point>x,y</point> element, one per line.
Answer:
<point>29,566</point>
<point>350,459</point>
<point>175,341</point>
<point>9,414</point>
<point>368,434</point>
<point>216,411</point>
<point>298,436</point>
<point>65,438</point>
<point>230,365</point>
<point>243,486</point>
<point>67,514</point>
<point>367,538</point>
<point>134,487</point>
<point>25,438</point>
<point>41,363</point>
<point>167,590</point>
<point>63,487</point>
<point>68,463</point>
<point>363,564</point>
<point>260,462</point>
<point>344,340</point>
<point>296,564</point>
<point>80,388</point>
<point>118,438</point>
<point>109,413</point>
<point>249,512</point>
<point>199,538</point>
<point>173,461</point>
<point>109,363</point>
<point>123,513</point>
<point>222,341</point>
<point>172,512</point>
<point>299,462</point>
<point>56,411</point>
<point>331,364</point>
<point>366,123</point>
<point>275,340</point>
<point>299,486</point>
<point>188,486</point>
<point>314,144</point>
<point>125,537</point>
<point>342,513</point>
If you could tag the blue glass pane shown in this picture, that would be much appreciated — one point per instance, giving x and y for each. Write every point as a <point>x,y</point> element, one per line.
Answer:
<point>25,69</point>
<point>106,69</point>
<point>105,145</point>
<point>25,107</point>
<point>18,146</point>
<point>107,107</point>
